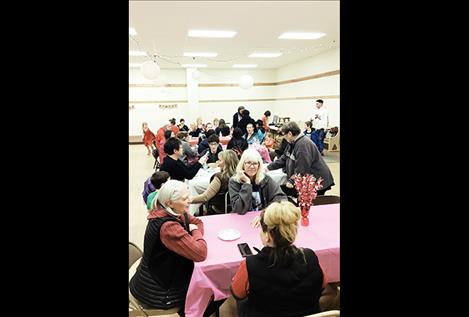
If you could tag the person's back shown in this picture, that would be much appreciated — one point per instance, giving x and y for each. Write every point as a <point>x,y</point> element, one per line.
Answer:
<point>237,142</point>
<point>292,290</point>
<point>280,280</point>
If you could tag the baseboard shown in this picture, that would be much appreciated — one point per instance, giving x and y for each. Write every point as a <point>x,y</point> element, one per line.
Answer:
<point>135,139</point>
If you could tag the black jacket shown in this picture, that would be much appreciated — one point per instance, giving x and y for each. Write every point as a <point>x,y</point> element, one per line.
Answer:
<point>178,170</point>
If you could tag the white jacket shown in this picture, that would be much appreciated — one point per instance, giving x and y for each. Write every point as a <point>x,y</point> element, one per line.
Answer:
<point>320,118</point>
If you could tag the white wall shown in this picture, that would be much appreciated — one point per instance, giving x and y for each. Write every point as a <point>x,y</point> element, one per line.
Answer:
<point>324,86</point>
<point>230,98</point>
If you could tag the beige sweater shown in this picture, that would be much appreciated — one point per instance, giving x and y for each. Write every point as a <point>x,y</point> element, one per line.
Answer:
<point>211,191</point>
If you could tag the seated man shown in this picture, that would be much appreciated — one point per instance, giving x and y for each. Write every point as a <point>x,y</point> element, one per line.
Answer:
<point>174,166</point>
<point>214,148</point>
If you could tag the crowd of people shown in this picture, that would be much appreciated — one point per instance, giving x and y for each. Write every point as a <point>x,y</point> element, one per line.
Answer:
<point>281,279</point>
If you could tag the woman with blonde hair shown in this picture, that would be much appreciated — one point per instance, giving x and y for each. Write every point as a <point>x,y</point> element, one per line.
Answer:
<point>215,193</point>
<point>250,188</point>
<point>280,280</point>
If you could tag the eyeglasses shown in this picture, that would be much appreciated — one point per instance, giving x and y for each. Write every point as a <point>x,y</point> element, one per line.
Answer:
<point>254,164</point>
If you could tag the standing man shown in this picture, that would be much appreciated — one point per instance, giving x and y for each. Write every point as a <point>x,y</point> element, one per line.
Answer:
<point>320,122</point>
<point>237,117</point>
<point>301,157</point>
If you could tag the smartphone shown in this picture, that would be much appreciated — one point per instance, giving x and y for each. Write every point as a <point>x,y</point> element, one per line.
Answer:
<point>244,249</point>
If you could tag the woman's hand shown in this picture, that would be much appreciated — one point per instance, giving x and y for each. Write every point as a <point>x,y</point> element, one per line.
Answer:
<point>256,221</point>
<point>244,178</point>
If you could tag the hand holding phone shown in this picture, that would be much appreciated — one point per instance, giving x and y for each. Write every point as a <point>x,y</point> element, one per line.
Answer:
<point>244,249</point>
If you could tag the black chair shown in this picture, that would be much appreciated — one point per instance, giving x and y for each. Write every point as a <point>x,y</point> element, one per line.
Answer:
<point>326,200</point>
<point>225,197</point>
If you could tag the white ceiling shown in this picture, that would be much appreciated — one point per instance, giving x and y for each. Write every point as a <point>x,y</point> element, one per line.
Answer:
<point>162,28</point>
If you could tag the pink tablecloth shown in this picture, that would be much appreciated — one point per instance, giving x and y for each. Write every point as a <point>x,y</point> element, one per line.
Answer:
<point>213,276</point>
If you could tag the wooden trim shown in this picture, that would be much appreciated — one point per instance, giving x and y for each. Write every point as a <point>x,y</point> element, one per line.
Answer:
<point>238,100</point>
<point>320,75</point>
<point>283,82</point>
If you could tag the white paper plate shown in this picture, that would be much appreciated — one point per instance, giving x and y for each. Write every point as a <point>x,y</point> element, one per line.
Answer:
<point>229,234</point>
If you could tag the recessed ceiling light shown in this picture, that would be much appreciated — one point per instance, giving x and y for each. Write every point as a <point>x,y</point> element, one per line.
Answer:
<point>132,31</point>
<point>207,33</point>
<point>193,65</point>
<point>301,36</point>
<point>134,65</point>
<point>200,54</point>
<point>137,53</point>
<point>244,65</point>
<point>266,55</point>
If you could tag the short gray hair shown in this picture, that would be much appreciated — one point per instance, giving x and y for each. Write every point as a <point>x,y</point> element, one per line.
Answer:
<point>291,127</point>
<point>170,191</point>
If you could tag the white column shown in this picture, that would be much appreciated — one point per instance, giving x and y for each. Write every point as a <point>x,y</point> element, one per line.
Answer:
<point>192,111</point>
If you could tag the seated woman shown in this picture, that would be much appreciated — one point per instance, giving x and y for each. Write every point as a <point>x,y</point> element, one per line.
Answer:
<point>237,142</point>
<point>218,186</point>
<point>222,128</point>
<point>250,188</point>
<point>280,280</point>
<point>173,242</point>
<point>269,143</point>
<point>214,148</point>
<point>251,134</point>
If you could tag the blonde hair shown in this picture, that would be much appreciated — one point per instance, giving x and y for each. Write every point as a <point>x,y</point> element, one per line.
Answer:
<point>231,162</point>
<point>280,221</point>
<point>253,156</point>
<point>284,216</point>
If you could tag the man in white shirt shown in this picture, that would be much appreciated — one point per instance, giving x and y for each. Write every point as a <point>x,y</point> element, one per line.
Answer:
<point>320,122</point>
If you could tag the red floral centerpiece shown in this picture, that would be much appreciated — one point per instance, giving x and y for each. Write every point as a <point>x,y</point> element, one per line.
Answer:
<point>307,187</point>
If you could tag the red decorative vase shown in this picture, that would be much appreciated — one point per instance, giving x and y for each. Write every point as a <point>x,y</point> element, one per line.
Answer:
<point>304,217</point>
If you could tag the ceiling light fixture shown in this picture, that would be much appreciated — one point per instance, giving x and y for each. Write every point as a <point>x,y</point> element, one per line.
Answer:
<point>137,53</point>
<point>300,36</point>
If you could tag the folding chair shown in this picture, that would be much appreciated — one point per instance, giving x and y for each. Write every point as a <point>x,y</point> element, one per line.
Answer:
<point>135,308</point>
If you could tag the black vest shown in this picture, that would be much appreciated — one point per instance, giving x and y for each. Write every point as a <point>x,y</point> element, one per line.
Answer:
<point>284,292</point>
<point>163,276</point>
